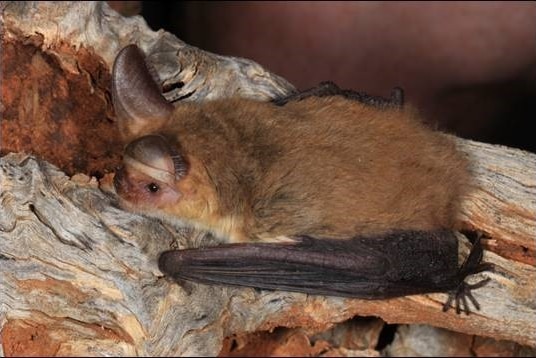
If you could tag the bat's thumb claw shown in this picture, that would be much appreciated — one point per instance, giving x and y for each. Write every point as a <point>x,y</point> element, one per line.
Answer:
<point>169,262</point>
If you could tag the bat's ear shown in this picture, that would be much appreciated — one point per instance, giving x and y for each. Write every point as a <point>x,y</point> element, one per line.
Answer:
<point>139,104</point>
<point>157,158</point>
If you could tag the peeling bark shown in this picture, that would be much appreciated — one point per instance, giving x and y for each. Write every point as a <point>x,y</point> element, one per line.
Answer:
<point>56,62</point>
<point>79,275</point>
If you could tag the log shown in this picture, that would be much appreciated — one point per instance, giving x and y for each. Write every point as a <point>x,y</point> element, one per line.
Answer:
<point>79,275</point>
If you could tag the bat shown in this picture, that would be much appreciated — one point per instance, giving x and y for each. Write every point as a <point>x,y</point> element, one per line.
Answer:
<point>294,186</point>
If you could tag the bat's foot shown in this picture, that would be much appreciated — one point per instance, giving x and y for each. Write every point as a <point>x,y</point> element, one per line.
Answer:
<point>328,88</point>
<point>460,295</point>
<point>471,266</point>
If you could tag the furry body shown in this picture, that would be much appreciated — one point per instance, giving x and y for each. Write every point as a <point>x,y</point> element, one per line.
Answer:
<point>323,167</point>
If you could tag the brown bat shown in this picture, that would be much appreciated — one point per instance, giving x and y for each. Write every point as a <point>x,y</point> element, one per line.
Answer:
<point>327,191</point>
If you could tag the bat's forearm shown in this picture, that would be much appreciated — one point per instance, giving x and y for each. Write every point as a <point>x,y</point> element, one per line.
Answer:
<point>398,264</point>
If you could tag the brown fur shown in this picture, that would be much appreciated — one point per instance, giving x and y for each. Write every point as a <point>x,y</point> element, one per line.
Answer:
<point>325,167</point>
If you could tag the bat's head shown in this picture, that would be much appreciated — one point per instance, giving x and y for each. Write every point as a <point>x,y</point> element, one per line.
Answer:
<point>158,177</point>
<point>151,166</point>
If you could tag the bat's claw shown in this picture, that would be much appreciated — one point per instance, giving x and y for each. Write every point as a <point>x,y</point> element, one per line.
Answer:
<point>462,292</point>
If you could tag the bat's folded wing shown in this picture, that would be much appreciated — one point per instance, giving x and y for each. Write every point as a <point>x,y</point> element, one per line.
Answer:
<point>397,264</point>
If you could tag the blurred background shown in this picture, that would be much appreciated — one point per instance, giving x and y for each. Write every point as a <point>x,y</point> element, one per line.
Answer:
<point>470,67</point>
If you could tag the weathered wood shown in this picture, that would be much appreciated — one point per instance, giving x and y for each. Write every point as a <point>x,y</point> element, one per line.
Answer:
<point>79,275</point>
<point>503,205</point>
<point>188,70</point>
<point>56,58</point>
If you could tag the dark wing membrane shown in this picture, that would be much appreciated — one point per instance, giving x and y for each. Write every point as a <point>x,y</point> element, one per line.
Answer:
<point>397,264</point>
<point>328,88</point>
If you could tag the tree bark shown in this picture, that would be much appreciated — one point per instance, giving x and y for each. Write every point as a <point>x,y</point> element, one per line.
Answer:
<point>79,275</point>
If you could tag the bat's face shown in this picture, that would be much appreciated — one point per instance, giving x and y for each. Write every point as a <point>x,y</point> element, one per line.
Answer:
<point>149,175</point>
<point>157,180</point>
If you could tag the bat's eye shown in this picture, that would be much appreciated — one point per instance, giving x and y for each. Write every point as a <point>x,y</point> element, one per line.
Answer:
<point>152,187</point>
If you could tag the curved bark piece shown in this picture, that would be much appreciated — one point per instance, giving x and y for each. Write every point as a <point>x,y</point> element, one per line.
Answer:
<point>186,71</point>
<point>503,205</point>
<point>56,62</point>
